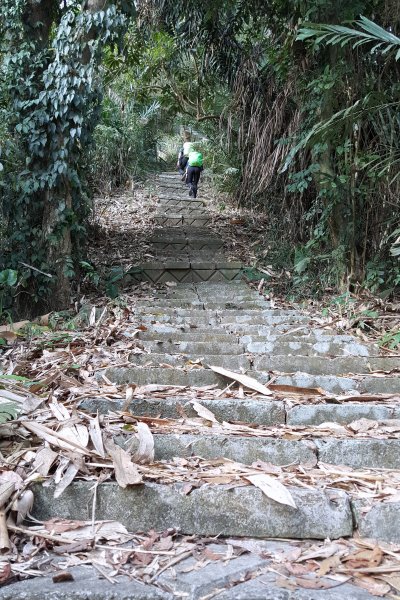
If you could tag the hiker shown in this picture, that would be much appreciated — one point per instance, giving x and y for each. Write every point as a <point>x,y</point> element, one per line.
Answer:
<point>181,164</point>
<point>193,171</point>
<point>184,152</point>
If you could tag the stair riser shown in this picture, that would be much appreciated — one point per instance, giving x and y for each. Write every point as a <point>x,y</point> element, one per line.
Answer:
<point>214,510</point>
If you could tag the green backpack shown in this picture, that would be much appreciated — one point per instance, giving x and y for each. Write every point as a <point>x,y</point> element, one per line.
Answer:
<point>195,159</point>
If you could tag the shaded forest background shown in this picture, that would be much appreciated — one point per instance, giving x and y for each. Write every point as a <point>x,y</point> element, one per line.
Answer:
<point>296,103</point>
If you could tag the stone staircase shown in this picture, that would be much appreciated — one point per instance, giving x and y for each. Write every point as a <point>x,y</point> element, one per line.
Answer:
<point>209,317</point>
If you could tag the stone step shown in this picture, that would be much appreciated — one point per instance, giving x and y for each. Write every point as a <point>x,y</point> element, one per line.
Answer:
<point>200,317</point>
<point>176,220</point>
<point>319,365</point>
<point>315,414</point>
<point>181,209</point>
<point>354,453</point>
<point>204,377</point>
<point>342,385</point>
<point>196,312</point>
<point>193,349</point>
<point>262,412</point>
<point>268,348</point>
<point>178,272</point>
<point>194,335</point>
<point>228,361</point>
<point>250,576</point>
<point>314,365</point>
<point>250,410</point>
<point>186,202</point>
<point>259,319</point>
<point>216,510</point>
<point>303,348</point>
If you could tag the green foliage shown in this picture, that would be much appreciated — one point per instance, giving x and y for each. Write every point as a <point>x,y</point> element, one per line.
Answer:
<point>125,142</point>
<point>8,411</point>
<point>54,96</point>
<point>8,280</point>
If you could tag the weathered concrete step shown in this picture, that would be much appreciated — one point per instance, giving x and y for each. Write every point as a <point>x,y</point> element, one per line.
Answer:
<point>257,411</point>
<point>210,255</point>
<point>200,317</point>
<point>380,522</point>
<point>208,510</point>
<point>228,361</point>
<point>360,454</point>
<point>245,577</point>
<point>241,449</point>
<point>176,220</point>
<point>341,385</point>
<point>262,412</point>
<point>156,309</point>
<point>315,414</point>
<point>314,365</point>
<point>184,211</point>
<point>194,335</point>
<point>194,349</point>
<point>177,272</point>
<point>236,300</point>
<point>266,348</point>
<point>203,377</point>
<point>180,202</point>
<point>302,348</point>
<point>320,365</point>
<point>354,453</point>
<point>194,302</point>
<point>259,319</point>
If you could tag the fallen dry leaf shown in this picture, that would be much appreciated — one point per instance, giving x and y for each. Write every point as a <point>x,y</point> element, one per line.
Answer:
<point>203,412</point>
<point>126,473</point>
<point>245,380</point>
<point>272,488</point>
<point>145,452</point>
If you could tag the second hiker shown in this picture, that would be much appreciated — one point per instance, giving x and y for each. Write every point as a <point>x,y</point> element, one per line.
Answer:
<point>193,171</point>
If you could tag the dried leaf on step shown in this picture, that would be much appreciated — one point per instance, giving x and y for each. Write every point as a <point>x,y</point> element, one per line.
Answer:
<point>203,412</point>
<point>95,436</point>
<point>374,587</point>
<point>44,459</point>
<point>272,488</point>
<point>145,452</point>
<point>298,391</point>
<point>66,479</point>
<point>59,411</point>
<point>126,473</point>
<point>59,526</point>
<point>362,425</point>
<point>53,437</point>
<point>5,571</point>
<point>364,558</point>
<point>83,530</point>
<point>245,380</point>
<point>325,551</point>
<point>78,434</point>
<point>9,482</point>
<point>327,564</point>
<point>23,505</point>
<point>393,580</point>
<point>315,583</point>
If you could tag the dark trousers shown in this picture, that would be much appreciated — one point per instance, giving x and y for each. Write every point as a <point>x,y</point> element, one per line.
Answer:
<point>183,162</point>
<point>192,178</point>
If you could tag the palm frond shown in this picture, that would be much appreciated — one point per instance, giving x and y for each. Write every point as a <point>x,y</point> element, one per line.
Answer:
<point>368,32</point>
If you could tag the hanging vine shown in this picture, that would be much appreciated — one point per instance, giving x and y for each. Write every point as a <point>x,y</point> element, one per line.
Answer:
<point>52,74</point>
